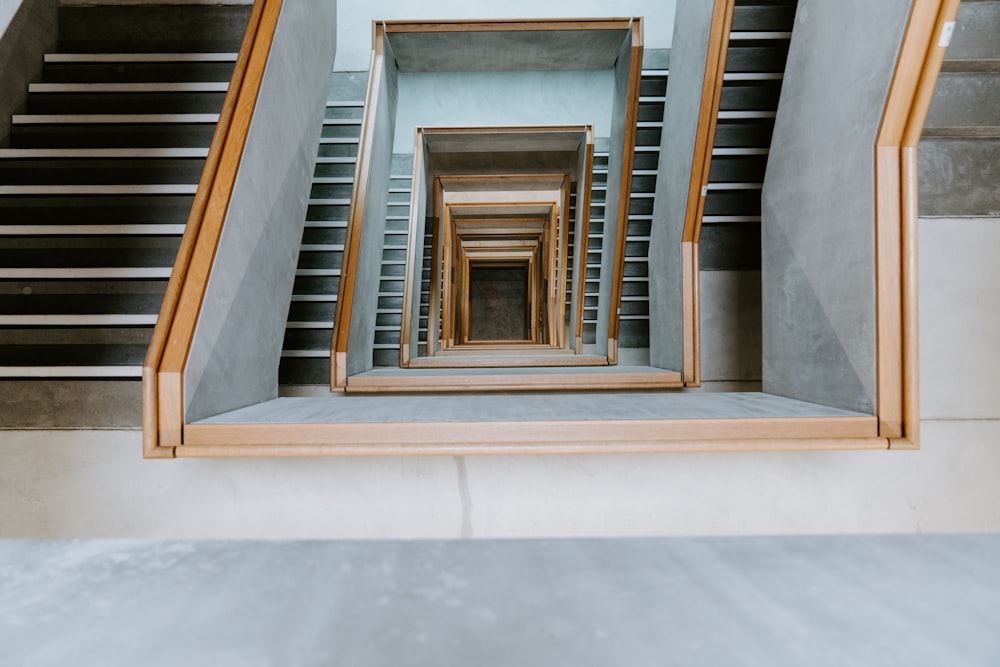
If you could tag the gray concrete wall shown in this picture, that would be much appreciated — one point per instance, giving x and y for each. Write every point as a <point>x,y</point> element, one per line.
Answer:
<point>680,123</point>
<point>818,206</point>
<point>442,99</point>
<point>237,343</point>
<point>361,343</point>
<point>354,26</point>
<point>612,205</point>
<point>28,28</point>
<point>419,182</point>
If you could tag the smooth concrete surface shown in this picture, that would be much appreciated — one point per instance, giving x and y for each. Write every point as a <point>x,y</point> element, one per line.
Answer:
<point>680,124</point>
<point>959,318</point>
<point>28,29</point>
<point>355,18</point>
<point>61,403</point>
<point>361,341</point>
<point>975,36</point>
<point>456,99</point>
<point>237,343</point>
<point>879,600</point>
<point>506,51</point>
<point>95,484</point>
<point>818,203</point>
<point>730,326</point>
<point>959,175</point>
<point>613,206</point>
<point>515,407</point>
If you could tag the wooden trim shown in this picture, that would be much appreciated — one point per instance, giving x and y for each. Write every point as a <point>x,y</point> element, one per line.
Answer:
<point>412,279</point>
<point>583,194</point>
<point>711,94</point>
<point>587,435</point>
<point>917,68</point>
<point>690,303</point>
<point>355,217</point>
<point>625,186</point>
<point>933,56</point>
<point>338,447</point>
<point>170,343</point>
<point>412,383</point>
<point>508,25</point>
<point>494,360</point>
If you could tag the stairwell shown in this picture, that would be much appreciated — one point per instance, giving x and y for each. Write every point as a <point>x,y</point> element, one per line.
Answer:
<point>95,189</point>
<point>755,64</point>
<point>959,154</point>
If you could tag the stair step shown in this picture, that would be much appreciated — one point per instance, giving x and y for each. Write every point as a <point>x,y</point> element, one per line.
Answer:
<point>71,371</point>
<point>131,87</point>
<point>91,230</point>
<point>49,320</point>
<point>55,190</point>
<point>102,153</point>
<point>139,57</point>
<point>753,35</point>
<point>86,273</point>
<point>113,119</point>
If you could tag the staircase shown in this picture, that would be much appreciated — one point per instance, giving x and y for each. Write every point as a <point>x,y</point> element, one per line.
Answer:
<point>305,355</point>
<point>755,63</point>
<point>959,154</point>
<point>97,182</point>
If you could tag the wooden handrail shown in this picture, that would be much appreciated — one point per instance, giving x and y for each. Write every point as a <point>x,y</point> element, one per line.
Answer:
<point>909,98</point>
<point>625,186</point>
<point>711,95</point>
<point>162,393</point>
<point>355,217</point>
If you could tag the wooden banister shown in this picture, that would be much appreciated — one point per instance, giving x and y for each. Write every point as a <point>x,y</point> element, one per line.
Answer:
<point>162,391</point>
<point>355,216</point>
<point>918,65</point>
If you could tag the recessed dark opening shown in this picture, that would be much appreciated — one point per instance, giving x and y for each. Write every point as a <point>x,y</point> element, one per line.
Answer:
<point>498,303</point>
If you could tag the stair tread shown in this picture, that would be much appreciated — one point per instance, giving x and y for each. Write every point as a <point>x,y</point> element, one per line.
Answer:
<point>144,189</point>
<point>92,230</point>
<point>49,319</point>
<point>71,371</point>
<point>132,87</point>
<point>113,118</point>
<point>109,153</point>
<point>976,65</point>
<point>113,272</point>
<point>139,57</point>
<point>970,132</point>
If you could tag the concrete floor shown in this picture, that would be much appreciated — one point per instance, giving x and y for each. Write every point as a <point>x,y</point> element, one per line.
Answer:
<point>878,600</point>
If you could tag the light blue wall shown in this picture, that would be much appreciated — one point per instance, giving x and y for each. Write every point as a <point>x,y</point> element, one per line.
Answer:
<point>442,99</point>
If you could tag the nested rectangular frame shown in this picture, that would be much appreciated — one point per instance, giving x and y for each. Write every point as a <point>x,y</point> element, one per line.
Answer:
<point>543,264</point>
<point>166,435</point>
<point>499,252</point>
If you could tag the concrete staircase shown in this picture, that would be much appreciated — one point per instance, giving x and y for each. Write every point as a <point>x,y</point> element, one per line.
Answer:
<point>96,185</point>
<point>755,64</point>
<point>305,356</point>
<point>959,155</point>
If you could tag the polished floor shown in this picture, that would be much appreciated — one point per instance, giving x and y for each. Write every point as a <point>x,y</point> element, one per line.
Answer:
<point>881,600</point>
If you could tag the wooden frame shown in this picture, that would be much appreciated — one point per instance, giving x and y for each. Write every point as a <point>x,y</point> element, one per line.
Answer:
<point>895,426</point>
<point>505,192</point>
<point>906,108</point>
<point>166,356</point>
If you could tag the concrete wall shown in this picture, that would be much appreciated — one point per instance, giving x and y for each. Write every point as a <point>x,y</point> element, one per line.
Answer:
<point>818,203</point>
<point>76,483</point>
<point>354,25</point>
<point>237,344</point>
<point>361,344</point>
<point>28,28</point>
<point>502,98</point>
<point>680,126</point>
